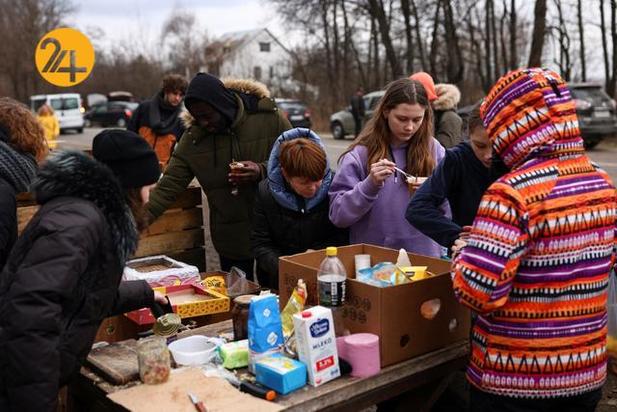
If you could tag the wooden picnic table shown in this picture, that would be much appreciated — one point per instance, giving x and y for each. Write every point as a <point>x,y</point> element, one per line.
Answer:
<point>89,391</point>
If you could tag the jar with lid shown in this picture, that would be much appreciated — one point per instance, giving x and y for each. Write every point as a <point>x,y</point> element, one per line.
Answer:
<point>240,316</point>
<point>154,361</point>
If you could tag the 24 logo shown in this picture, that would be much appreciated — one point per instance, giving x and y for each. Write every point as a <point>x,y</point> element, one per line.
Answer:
<point>64,57</point>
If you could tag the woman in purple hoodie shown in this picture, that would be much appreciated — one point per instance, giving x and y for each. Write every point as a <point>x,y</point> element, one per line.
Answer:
<point>368,195</point>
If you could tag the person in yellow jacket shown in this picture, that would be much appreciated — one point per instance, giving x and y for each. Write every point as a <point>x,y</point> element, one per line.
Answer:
<point>50,124</point>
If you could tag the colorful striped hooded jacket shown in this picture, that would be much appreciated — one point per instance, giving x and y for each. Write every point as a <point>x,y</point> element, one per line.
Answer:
<point>536,264</point>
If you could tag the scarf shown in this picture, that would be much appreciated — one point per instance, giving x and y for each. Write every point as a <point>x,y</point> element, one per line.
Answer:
<point>159,125</point>
<point>17,168</point>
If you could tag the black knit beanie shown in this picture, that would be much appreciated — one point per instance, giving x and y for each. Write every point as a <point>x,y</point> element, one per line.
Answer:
<point>128,155</point>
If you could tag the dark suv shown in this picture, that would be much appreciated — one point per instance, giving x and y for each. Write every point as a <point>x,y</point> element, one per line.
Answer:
<point>597,117</point>
<point>114,113</point>
<point>296,112</point>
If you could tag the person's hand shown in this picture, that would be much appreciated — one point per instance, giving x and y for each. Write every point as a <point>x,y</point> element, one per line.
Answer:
<point>160,298</point>
<point>249,172</point>
<point>458,245</point>
<point>381,170</point>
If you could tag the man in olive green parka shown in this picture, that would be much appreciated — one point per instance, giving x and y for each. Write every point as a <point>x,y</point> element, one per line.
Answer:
<point>232,122</point>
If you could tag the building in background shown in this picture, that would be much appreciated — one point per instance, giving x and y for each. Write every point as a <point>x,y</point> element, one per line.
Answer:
<point>255,54</point>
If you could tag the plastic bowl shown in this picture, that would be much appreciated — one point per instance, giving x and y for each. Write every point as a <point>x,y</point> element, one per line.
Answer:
<point>192,350</point>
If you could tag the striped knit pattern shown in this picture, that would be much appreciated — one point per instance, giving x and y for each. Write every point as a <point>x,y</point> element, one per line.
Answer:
<point>537,261</point>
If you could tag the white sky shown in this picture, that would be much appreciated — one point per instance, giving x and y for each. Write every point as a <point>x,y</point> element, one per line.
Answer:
<point>128,19</point>
<point>140,21</point>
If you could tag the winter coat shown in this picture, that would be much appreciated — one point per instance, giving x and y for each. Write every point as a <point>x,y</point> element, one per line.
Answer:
<point>376,214</point>
<point>285,223</point>
<point>207,156</point>
<point>8,220</point>
<point>461,179</point>
<point>160,124</point>
<point>448,124</point>
<point>62,279</point>
<point>51,127</point>
<point>538,257</point>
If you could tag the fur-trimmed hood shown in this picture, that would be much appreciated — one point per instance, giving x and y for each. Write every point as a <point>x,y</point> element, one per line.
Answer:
<point>245,86</point>
<point>74,174</point>
<point>448,97</point>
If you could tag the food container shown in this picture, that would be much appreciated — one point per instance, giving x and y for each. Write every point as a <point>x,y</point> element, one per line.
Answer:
<point>413,182</point>
<point>193,350</point>
<point>187,301</point>
<point>234,285</point>
<point>153,360</point>
<point>161,271</point>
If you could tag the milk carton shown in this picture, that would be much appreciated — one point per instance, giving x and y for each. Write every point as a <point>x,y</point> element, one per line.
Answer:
<point>316,344</point>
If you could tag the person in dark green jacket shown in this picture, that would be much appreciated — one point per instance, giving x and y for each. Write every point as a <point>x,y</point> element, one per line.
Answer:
<point>235,123</point>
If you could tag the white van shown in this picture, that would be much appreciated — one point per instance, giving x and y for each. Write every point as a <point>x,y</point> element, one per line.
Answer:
<point>67,107</point>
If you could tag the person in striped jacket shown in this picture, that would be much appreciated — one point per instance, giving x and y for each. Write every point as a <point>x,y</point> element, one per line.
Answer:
<point>536,262</point>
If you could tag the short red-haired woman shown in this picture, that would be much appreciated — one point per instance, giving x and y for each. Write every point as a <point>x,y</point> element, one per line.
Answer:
<point>22,144</point>
<point>291,208</point>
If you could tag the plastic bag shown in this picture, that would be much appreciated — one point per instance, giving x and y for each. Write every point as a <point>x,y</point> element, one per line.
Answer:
<point>611,339</point>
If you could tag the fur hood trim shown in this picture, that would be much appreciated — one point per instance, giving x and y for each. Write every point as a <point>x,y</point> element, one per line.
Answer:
<point>448,97</point>
<point>74,174</point>
<point>246,86</point>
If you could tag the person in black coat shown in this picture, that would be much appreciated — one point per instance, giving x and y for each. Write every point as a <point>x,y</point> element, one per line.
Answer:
<point>291,207</point>
<point>22,142</point>
<point>461,178</point>
<point>63,275</point>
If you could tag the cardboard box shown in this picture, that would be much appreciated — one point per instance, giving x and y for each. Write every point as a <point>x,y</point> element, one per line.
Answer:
<point>187,301</point>
<point>393,313</point>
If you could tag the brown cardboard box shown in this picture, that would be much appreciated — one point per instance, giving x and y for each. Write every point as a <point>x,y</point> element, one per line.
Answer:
<point>392,313</point>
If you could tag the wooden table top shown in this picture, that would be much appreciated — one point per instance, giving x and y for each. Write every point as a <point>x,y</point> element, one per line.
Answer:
<point>342,392</point>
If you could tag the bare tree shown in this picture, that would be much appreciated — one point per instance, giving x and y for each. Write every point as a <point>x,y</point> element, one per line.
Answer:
<point>22,24</point>
<point>564,62</point>
<point>607,63</point>
<point>513,35</point>
<point>406,10</point>
<point>185,41</point>
<point>613,81</point>
<point>455,63</point>
<point>537,39</point>
<point>376,8</point>
<point>581,33</point>
<point>418,35</point>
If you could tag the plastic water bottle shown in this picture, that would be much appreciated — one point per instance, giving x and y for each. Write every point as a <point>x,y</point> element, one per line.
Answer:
<point>331,279</point>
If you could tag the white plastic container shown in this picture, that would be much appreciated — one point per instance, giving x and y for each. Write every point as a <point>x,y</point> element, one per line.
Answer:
<point>193,350</point>
<point>161,270</point>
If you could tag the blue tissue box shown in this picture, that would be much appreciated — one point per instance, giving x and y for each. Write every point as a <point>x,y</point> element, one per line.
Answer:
<point>281,373</point>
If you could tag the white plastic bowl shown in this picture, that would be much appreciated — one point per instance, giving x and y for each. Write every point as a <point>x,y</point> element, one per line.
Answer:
<point>192,350</point>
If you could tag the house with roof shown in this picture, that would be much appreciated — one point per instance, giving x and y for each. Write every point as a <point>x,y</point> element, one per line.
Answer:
<point>255,54</point>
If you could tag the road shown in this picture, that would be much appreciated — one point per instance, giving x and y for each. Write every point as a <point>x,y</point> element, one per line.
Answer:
<point>604,154</point>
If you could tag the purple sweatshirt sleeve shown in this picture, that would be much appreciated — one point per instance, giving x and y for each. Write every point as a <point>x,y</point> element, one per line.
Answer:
<point>352,191</point>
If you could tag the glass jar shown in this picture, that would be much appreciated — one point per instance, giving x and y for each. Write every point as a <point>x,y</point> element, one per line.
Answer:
<point>154,361</point>
<point>240,316</point>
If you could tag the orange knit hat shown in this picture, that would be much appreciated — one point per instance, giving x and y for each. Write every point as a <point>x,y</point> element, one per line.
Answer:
<point>427,82</point>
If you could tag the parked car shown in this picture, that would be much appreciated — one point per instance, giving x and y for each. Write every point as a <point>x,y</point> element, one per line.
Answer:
<point>67,107</point>
<point>110,114</point>
<point>296,112</point>
<point>597,115</point>
<point>342,123</point>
